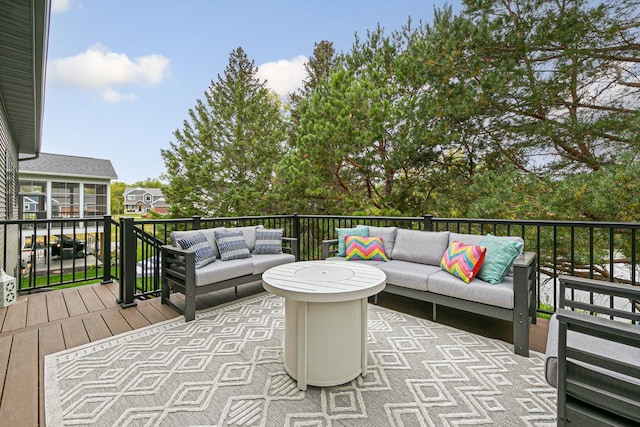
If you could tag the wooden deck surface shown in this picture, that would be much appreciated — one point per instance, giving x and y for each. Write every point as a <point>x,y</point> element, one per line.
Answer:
<point>48,322</point>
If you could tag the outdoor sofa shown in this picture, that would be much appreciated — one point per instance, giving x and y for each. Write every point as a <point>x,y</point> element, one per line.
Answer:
<point>206,260</point>
<point>414,270</point>
<point>593,353</point>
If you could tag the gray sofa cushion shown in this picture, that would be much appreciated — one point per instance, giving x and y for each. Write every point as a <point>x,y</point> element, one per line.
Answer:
<point>424,247</point>
<point>249,233</point>
<point>500,295</point>
<point>408,274</point>
<point>263,262</point>
<point>620,352</point>
<point>388,236</point>
<point>220,271</point>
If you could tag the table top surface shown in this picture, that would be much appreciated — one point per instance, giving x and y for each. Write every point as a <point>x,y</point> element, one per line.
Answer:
<point>324,281</point>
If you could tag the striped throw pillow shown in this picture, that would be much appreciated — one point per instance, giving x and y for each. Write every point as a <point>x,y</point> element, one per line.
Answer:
<point>268,241</point>
<point>364,249</point>
<point>199,244</point>
<point>232,245</point>
<point>463,261</point>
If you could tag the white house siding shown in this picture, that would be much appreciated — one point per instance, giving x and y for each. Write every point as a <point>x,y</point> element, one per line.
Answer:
<point>9,251</point>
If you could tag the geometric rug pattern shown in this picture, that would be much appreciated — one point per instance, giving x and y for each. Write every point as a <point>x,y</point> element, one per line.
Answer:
<point>226,369</point>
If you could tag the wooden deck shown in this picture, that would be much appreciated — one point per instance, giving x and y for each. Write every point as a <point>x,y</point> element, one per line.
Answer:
<point>48,322</point>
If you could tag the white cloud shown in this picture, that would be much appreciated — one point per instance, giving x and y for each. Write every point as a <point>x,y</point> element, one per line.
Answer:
<point>113,97</point>
<point>284,76</point>
<point>58,6</point>
<point>98,68</point>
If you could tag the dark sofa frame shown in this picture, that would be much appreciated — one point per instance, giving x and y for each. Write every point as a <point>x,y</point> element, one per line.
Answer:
<point>179,271</point>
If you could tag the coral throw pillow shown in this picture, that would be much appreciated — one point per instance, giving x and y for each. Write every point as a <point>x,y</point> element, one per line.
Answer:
<point>463,261</point>
<point>365,249</point>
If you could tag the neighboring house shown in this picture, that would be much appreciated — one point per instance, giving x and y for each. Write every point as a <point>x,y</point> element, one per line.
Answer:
<point>62,186</point>
<point>24,30</point>
<point>143,200</point>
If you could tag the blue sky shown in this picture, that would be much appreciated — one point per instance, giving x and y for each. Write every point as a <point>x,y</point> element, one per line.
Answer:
<point>123,74</point>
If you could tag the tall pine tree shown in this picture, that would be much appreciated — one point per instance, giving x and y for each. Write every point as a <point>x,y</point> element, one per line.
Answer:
<point>222,160</point>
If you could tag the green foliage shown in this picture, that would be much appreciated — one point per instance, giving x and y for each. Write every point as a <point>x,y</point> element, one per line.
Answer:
<point>117,197</point>
<point>222,161</point>
<point>522,109</point>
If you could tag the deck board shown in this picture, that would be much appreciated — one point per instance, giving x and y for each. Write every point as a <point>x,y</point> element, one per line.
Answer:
<point>16,317</point>
<point>75,305</point>
<point>56,308</point>
<point>151,313</point>
<point>51,341</point>
<point>107,298</point>
<point>3,312</point>
<point>74,333</point>
<point>37,310</point>
<point>115,322</point>
<point>5,351</point>
<point>96,327</point>
<point>20,396</point>
<point>91,300</point>
<point>134,318</point>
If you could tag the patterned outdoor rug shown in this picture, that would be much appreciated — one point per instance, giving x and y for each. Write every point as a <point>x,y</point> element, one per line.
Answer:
<point>226,368</point>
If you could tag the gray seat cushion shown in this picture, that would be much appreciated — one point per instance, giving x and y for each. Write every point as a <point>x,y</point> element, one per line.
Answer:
<point>424,247</point>
<point>263,262</point>
<point>223,270</point>
<point>500,295</point>
<point>614,350</point>
<point>408,274</point>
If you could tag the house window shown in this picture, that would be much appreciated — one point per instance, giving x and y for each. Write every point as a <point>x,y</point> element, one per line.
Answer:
<point>33,199</point>
<point>131,197</point>
<point>147,197</point>
<point>65,200</point>
<point>95,200</point>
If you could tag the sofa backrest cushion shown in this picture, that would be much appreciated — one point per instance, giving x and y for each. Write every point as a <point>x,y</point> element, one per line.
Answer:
<point>387,234</point>
<point>424,247</point>
<point>249,233</point>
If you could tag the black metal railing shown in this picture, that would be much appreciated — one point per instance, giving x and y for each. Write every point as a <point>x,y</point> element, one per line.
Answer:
<point>59,252</point>
<point>128,250</point>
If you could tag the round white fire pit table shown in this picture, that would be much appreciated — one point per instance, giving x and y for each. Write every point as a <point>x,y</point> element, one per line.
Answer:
<point>325,340</point>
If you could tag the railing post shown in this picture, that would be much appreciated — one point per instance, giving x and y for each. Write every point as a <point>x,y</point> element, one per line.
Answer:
<point>296,233</point>
<point>105,245</point>
<point>196,222</point>
<point>128,279</point>
<point>427,222</point>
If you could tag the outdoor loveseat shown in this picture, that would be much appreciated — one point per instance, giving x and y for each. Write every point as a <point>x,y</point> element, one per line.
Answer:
<point>413,270</point>
<point>206,260</point>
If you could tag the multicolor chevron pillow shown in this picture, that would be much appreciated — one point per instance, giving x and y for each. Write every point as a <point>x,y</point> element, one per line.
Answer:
<point>463,261</point>
<point>364,249</point>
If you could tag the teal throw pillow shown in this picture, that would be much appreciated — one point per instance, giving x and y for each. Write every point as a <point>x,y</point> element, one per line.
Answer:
<point>362,231</point>
<point>500,256</point>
